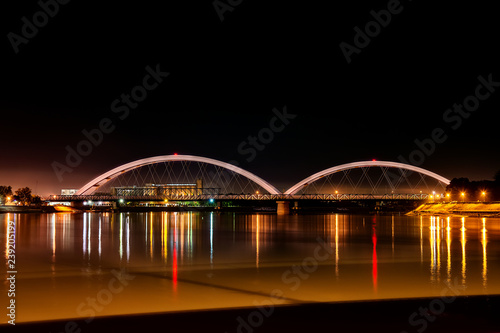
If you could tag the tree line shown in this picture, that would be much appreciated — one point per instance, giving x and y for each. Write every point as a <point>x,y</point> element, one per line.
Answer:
<point>462,189</point>
<point>22,195</point>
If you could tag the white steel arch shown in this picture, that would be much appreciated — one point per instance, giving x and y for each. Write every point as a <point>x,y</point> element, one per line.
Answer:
<point>295,188</point>
<point>95,183</point>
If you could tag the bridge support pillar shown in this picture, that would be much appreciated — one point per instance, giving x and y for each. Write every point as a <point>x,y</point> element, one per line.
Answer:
<point>283,207</point>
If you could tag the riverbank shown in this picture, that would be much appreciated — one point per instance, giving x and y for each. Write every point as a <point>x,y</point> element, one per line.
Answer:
<point>461,314</point>
<point>24,209</point>
<point>486,209</point>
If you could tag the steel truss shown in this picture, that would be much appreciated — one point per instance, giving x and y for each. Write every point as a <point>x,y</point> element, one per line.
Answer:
<point>219,196</point>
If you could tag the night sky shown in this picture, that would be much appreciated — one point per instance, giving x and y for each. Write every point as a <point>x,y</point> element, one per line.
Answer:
<point>225,77</point>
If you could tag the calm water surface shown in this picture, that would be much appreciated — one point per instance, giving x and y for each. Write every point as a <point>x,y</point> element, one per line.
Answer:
<point>95,264</point>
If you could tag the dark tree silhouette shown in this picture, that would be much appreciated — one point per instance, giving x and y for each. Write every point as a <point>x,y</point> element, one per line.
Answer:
<point>23,195</point>
<point>496,177</point>
<point>5,191</point>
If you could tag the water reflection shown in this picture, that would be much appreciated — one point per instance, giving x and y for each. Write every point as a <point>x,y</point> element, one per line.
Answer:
<point>448,250</point>
<point>337,246</point>
<point>463,240</point>
<point>369,250</point>
<point>460,236</point>
<point>374,256</point>
<point>484,241</point>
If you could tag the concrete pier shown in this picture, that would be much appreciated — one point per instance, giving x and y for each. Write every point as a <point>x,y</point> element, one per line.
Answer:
<point>283,207</point>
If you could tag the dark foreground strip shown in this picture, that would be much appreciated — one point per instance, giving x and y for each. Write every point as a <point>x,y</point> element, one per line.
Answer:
<point>466,314</point>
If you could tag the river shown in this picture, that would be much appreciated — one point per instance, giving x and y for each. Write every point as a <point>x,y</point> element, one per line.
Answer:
<point>99,264</point>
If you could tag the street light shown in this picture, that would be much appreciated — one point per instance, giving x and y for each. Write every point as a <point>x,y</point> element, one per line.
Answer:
<point>484,195</point>
<point>463,196</point>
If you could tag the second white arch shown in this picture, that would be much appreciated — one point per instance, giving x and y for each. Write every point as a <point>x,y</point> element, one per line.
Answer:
<point>297,187</point>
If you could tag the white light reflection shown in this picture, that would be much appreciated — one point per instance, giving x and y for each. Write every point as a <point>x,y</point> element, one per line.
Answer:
<point>88,236</point>
<point>211,238</point>
<point>84,234</point>
<point>121,236</point>
<point>128,239</point>
<point>53,236</point>
<point>100,233</point>
<point>190,236</point>
<point>66,232</point>
<point>183,220</point>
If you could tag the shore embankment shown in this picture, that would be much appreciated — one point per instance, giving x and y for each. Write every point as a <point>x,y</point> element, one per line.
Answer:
<point>486,209</point>
<point>26,209</point>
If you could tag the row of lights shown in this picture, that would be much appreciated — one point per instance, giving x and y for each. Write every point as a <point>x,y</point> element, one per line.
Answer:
<point>462,194</point>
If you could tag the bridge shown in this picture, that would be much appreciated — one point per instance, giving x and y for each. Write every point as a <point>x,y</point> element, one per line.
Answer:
<point>175,177</point>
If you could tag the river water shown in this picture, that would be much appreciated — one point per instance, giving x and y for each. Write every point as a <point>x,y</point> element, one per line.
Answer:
<point>98,264</point>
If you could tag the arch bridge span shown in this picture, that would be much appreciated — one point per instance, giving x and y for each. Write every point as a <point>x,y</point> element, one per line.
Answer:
<point>363,164</point>
<point>97,182</point>
<point>272,192</point>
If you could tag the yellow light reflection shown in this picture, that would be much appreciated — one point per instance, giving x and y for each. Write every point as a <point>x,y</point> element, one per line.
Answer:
<point>151,239</point>
<point>7,238</point>
<point>190,236</point>
<point>257,244</point>
<point>463,241</point>
<point>392,226</point>
<point>484,241</point>
<point>337,245</point>
<point>448,250</point>
<point>432,241</point>
<point>146,233</point>
<point>421,240</point>
<point>164,236</point>
<point>438,248</point>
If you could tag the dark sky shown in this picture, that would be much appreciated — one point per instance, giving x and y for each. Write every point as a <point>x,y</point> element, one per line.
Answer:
<point>226,77</point>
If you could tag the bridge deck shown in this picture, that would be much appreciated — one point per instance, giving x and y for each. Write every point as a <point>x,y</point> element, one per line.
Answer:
<point>332,197</point>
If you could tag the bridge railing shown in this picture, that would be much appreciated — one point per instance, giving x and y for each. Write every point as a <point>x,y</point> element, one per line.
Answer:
<point>234,196</point>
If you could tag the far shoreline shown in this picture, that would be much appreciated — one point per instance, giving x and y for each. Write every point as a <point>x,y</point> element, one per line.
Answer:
<point>458,209</point>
